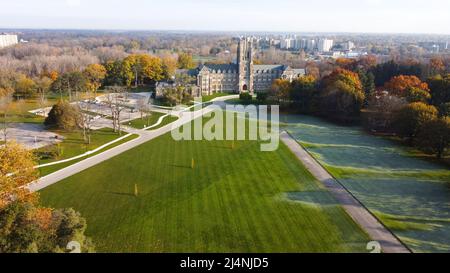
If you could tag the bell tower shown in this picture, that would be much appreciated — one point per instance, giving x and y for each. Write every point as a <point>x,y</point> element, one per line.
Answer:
<point>245,65</point>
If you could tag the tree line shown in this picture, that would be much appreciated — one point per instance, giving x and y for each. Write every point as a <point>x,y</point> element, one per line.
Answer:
<point>388,98</point>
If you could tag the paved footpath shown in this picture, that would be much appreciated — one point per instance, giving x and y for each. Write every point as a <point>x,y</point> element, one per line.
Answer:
<point>389,243</point>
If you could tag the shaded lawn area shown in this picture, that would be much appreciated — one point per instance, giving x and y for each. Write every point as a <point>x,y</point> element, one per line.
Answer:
<point>235,199</point>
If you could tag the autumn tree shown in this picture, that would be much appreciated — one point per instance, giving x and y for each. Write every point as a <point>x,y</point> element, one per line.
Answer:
<point>118,73</point>
<point>24,87</point>
<point>437,66</point>
<point>185,61</point>
<point>169,66</point>
<point>280,90</point>
<point>16,170</point>
<point>94,75</point>
<point>342,95</point>
<point>43,85</point>
<point>399,84</point>
<point>25,226</point>
<point>304,93</point>
<point>70,82</point>
<point>434,136</point>
<point>410,118</point>
<point>144,68</point>
<point>63,116</point>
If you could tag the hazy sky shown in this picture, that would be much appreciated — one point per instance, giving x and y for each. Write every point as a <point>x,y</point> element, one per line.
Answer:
<point>400,16</point>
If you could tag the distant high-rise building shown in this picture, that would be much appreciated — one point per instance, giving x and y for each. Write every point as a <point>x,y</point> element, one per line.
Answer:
<point>324,45</point>
<point>310,44</point>
<point>349,45</point>
<point>8,40</point>
<point>287,43</point>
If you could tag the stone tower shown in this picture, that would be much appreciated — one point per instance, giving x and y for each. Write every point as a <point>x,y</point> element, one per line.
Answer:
<point>245,65</point>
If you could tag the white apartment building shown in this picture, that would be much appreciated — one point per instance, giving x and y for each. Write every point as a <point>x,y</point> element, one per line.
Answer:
<point>287,43</point>
<point>8,40</point>
<point>324,45</point>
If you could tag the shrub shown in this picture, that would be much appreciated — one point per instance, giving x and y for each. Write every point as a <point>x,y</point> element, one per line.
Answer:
<point>261,96</point>
<point>245,97</point>
<point>410,118</point>
<point>434,136</point>
<point>63,116</point>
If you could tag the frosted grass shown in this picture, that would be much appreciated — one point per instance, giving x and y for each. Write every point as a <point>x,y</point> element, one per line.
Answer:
<point>410,195</point>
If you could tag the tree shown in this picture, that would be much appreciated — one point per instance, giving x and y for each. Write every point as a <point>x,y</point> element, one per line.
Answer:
<point>437,66</point>
<point>113,100</point>
<point>342,95</point>
<point>414,94</point>
<point>381,111</point>
<point>16,170</point>
<point>440,89</point>
<point>304,93</point>
<point>5,108</point>
<point>144,68</point>
<point>434,136</point>
<point>70,82</point>
<point>280,90</point>
<point>24,225</point>
<point>185,61</point>
<point>94,75</point>
<point>63,116</point>
<point>368,83</point>
<point>399,84</point>
<point>42,87</point>
<point>24,87</point>
<point>169,67</point>
<point>118,73</point>
<point>410,118</point>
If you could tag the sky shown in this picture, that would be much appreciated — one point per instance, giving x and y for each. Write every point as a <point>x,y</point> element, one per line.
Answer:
<point>368,16</point>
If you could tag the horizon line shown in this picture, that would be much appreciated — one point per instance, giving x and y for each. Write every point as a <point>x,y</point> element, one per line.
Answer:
<point>223,31</point>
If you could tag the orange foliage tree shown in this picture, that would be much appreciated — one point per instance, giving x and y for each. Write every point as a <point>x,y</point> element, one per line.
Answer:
<point>399,84</point>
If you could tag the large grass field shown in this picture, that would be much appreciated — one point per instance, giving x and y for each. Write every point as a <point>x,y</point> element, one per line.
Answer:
<point>410,195</point>
<point>235,199</point>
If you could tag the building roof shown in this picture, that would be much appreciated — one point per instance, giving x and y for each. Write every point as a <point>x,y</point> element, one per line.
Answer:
<point>300,71</point>
<point>265,67</point>
<point>221,67</point>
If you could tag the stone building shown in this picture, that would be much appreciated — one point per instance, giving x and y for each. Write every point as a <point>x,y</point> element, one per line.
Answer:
<point>242,76</point>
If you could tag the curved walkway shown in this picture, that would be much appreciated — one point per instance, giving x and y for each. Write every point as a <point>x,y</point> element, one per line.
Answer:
<point>145,136</point>
<point>376,230</point>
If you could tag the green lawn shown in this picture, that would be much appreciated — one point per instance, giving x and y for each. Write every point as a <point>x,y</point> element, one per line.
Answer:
<point>150,120</point>
<point>43,171</point>
<point>234,200</point>
<point>19,111</point>
<point>74,144</point>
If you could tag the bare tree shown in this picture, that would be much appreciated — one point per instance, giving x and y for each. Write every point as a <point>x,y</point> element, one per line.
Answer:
<point>114,102</point>
<point>5,106</point>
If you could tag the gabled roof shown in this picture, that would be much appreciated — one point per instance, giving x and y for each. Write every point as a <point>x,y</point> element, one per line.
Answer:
<point>279,67</point>
<point>219,67</point>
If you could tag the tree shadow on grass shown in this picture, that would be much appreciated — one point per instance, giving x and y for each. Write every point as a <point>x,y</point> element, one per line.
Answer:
<point>121,193</point>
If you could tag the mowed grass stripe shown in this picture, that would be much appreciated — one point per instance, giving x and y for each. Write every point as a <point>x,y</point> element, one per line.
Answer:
<point>231,201</point>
